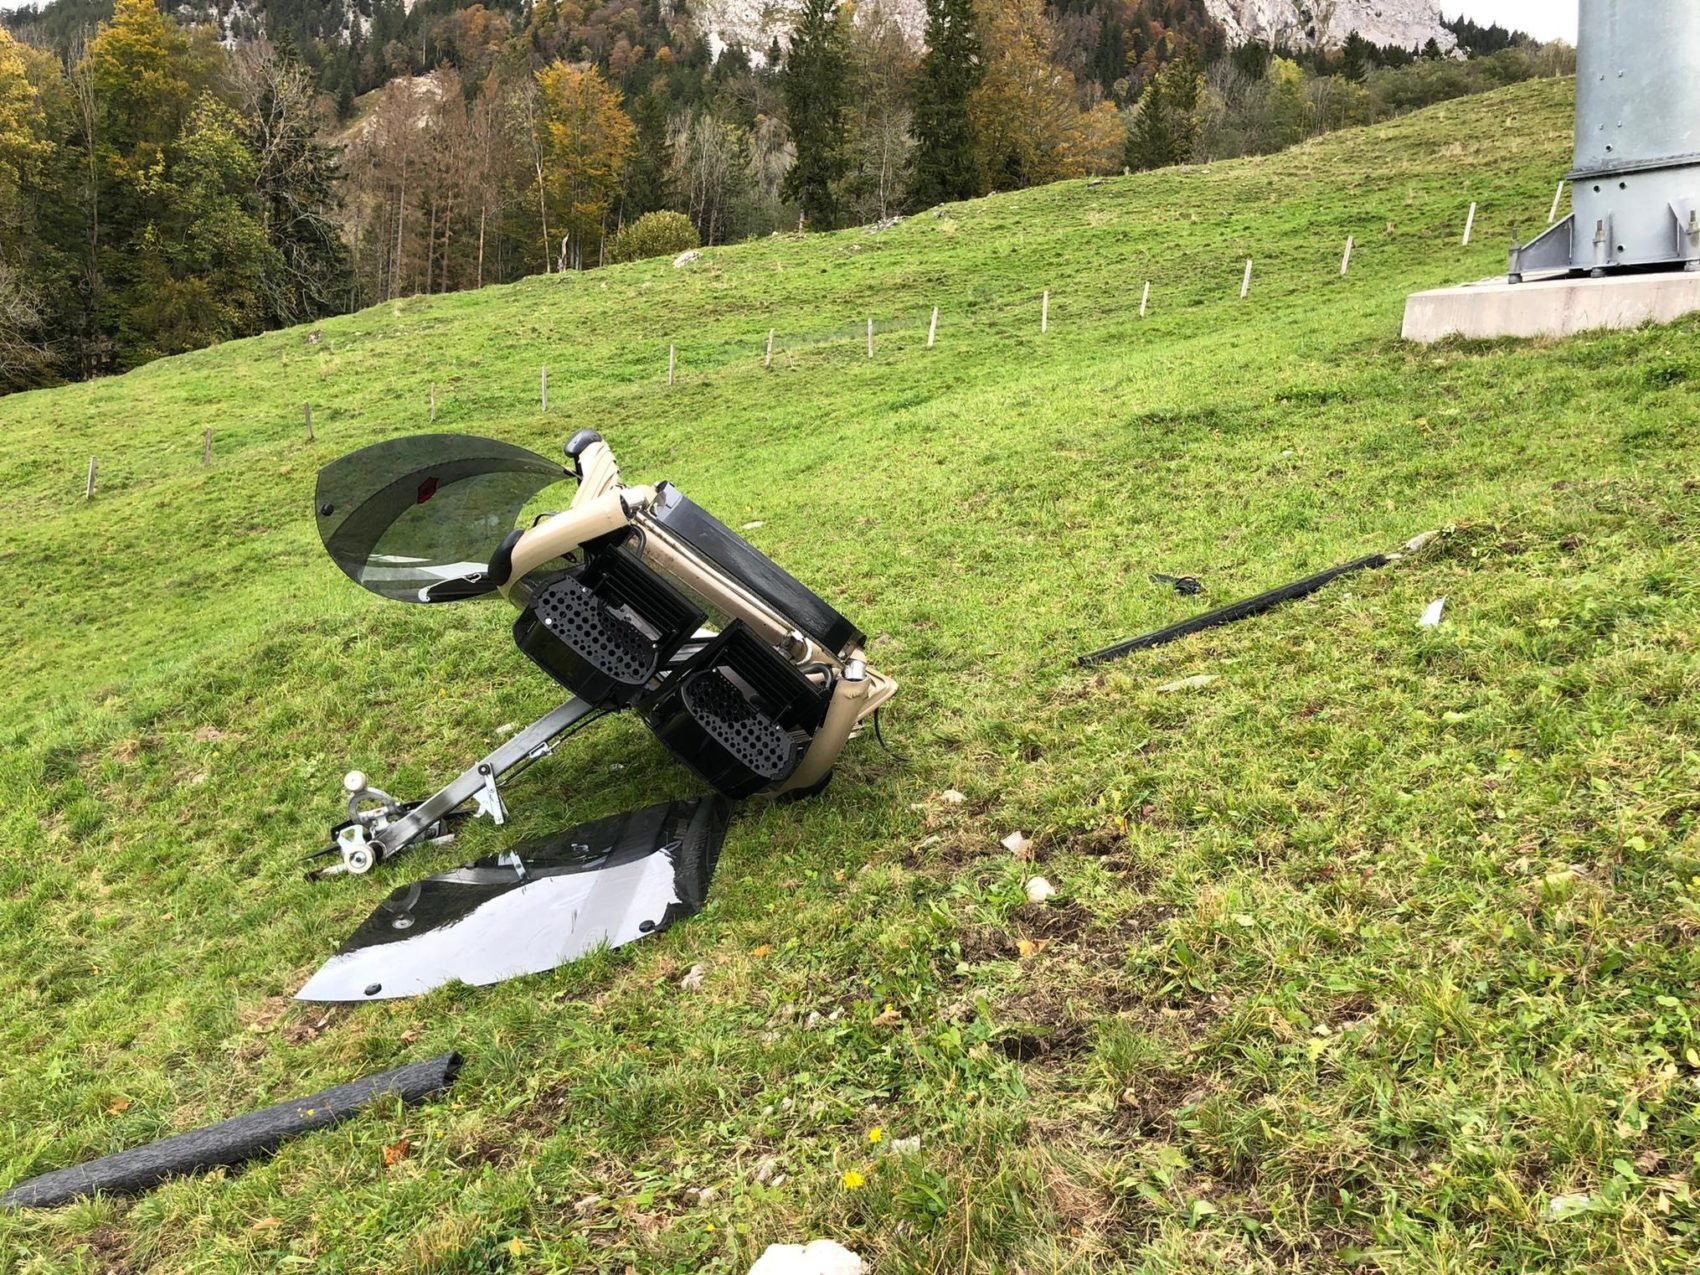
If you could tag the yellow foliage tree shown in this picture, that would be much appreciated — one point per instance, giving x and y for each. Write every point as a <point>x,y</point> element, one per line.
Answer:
<point>21,143</point>
<point>587,141</point>
<point>1028,125</point>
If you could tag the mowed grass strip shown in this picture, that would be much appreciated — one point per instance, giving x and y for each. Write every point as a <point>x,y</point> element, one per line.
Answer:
<point>1375,953</point>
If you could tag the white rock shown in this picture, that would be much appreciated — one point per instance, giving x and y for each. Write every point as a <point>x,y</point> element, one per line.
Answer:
<point>1016,843</point>
<point>1432,614</point>
<point>1039,889</point>
<point>685,258</point>
<point>903,1146</point>
<point>820,1257</point>
<point>951,797</point>
<point>693,980</point>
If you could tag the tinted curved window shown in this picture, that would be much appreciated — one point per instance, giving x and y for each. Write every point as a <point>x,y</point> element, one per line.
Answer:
<point>417,518</point>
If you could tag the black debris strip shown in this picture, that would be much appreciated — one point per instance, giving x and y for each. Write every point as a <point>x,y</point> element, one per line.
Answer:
<point>1240,610</point>
<point>233,1142</point>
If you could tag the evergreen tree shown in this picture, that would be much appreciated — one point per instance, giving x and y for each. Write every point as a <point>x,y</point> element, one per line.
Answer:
<point>815,86</point>
<point>951,69</point>
<point>1165,127</point>
<point>1357,57</point>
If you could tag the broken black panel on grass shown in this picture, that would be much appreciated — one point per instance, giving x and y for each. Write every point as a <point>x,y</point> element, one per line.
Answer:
<point>538,906</point>
<point>1234,611</point>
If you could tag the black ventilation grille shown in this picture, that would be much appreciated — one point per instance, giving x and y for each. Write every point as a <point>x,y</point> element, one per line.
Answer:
<point>757,742</point>
<point>605,629</point>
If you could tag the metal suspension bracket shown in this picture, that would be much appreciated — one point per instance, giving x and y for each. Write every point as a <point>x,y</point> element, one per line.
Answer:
<point>379,827</point>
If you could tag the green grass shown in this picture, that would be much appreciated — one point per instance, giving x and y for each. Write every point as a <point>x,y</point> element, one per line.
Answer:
<point>1365,954</point>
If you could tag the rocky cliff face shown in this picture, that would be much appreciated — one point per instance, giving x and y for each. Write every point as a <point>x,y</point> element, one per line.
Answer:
<point>1327,23</point>
<point>754,24</point>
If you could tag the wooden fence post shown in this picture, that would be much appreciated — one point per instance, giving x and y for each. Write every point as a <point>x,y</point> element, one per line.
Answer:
<point>307,416</point>
<point>1470,225</point>
<point>206,448</point>
<point>1245,284</point>
<point>933,328</point>
<point>88,489</point>
<point>1346,261</point>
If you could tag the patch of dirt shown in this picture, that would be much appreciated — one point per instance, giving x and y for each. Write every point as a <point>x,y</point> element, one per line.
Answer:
<point>315,1022</point>
<point>1032,1042</point>
<point>1061,923</point>
<point>110,1251</point>
<point>982,943</point>
<point>1151,1100</point>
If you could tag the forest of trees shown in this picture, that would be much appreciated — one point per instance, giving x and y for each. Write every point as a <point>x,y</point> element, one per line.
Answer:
<point>172,180</point>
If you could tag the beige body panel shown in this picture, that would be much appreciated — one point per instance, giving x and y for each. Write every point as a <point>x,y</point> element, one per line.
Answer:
<point>601,505</point>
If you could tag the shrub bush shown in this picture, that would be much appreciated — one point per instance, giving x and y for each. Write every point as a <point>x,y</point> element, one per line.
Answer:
<point>655,234</point>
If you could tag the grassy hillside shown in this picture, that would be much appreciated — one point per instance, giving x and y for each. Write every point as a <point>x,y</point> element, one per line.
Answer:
<point>1375,953</point>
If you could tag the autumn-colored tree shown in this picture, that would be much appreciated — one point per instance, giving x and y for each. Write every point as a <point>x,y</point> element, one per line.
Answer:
<point>1024,109</point>
<point>588,140</point>
<point>22,146</point>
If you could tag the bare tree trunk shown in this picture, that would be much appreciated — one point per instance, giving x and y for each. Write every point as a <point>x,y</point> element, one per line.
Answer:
<point>480,282</point>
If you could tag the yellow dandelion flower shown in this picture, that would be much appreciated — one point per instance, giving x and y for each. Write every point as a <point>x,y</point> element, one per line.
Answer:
<point>518,1247</point>
<point>853,1181</point>
<point>875,1134</point>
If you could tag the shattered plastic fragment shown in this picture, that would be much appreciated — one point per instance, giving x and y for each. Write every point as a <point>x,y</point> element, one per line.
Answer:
<point>692,979</point>
<point>1017,844</point>
<point>1432,614</point>
<point>535,907</point>
<point>1039,889</point>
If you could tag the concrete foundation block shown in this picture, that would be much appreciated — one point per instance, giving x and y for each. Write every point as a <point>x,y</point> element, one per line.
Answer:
<point>1549,307</point>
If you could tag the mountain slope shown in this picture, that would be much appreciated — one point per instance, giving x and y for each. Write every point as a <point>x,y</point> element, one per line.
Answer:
<point>1376,952</point>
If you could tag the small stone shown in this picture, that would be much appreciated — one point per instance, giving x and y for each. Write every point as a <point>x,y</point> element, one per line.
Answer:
<point>685,258</point>
<point>1018,844</point>
<point>1039,889</point>
<point>820,1257</point>
<point>693,978</point>
<point>951,797</point>
<point>812,1021</point>
<point>753,526</point>
<point>903,1146</point>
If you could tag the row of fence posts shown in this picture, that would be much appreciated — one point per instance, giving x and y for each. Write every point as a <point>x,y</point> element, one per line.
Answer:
<point>767,357</point>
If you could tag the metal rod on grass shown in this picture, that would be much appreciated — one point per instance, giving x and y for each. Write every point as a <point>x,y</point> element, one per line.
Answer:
<point>1145,301</point>
<point>1245,284</point>
<point>1346,261</point>
<point>543,388</point>
<point>870,338</point>
<point>933,328</point>
<point>88,489</point>
<point>1470,225</point>
<point>672,363</point>
<point>1557,199</point>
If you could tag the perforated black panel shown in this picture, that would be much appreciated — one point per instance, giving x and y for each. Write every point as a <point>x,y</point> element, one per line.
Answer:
<point>602,639</point>
<point>757,741</point>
